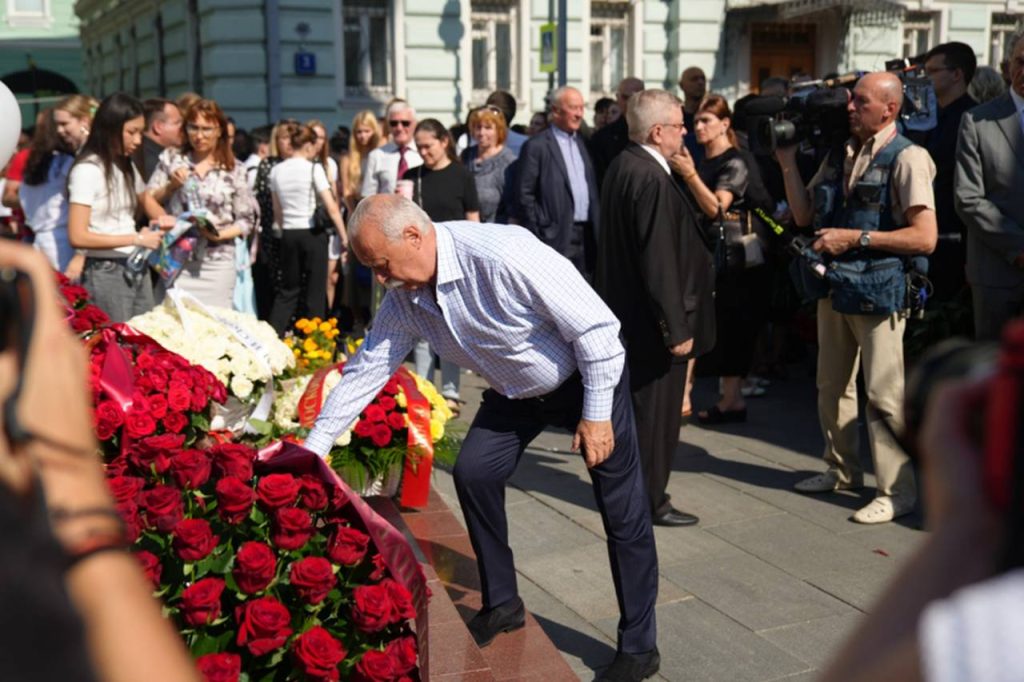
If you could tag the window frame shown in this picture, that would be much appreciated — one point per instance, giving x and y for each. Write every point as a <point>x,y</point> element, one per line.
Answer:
<point>606,24</point>
<point>917,22</point>
<point>1002,27</point>
<point>21,19</point>
<point>491,14</point>
<point>363,12</point>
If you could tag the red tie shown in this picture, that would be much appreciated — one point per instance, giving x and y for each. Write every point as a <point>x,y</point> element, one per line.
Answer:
<point>403,165</point>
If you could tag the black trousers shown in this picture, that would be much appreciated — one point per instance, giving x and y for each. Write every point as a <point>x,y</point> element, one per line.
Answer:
<point>301,251</point>
<point>658,405</point>
<point>493,447</point>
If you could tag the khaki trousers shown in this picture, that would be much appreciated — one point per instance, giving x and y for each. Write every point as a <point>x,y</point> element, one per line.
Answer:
<point>876,342</point>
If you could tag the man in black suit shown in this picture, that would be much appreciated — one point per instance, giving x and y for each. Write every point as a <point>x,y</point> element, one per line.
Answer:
<point>654,270</point>
<point>609,141</point>
<point>557,188</point>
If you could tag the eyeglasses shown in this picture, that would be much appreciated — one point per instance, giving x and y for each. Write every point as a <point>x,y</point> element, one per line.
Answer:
<point>396,122</point>
<point>672,125</point>
<point>205,131</point>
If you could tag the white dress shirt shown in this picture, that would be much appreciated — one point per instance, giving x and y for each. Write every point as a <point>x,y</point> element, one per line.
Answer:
<point>382,168</point>
<point>657,157</point>
<point>506,306</point>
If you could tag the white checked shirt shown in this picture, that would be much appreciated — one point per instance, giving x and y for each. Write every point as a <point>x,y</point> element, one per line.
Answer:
<point>507,307</point>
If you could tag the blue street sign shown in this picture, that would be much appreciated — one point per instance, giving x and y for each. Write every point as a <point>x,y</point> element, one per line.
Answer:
<point>305,63</point>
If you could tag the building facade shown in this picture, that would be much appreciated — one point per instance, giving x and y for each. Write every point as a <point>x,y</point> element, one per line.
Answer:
<point>328,59</point>
<point>40,52</point>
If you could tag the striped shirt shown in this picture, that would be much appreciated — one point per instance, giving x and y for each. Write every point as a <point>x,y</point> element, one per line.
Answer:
<point>506,306</point>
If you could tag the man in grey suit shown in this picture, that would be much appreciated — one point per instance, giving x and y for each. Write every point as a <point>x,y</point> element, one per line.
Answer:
<point>990,200</point>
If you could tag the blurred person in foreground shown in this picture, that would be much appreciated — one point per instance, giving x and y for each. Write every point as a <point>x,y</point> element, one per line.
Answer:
<point>873,208</point>
<point>77,605</point>
<point>953,612</point>
<point>986,85</point>
<point>522,317</point>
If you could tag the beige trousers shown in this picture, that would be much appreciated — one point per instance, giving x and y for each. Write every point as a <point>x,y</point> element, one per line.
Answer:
<point>876,342</point>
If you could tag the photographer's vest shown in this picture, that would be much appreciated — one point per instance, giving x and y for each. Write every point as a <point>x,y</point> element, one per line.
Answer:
<point>864,281</point>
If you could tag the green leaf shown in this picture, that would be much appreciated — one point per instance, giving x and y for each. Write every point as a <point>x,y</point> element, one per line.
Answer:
<point>262,427</point>
<point>200,422</point>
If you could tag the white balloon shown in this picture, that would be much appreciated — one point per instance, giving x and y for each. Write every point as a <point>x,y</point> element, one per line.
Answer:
<point>10,124</point>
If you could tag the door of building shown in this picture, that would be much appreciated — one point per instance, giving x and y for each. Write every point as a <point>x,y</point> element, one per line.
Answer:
<point>781,50</point>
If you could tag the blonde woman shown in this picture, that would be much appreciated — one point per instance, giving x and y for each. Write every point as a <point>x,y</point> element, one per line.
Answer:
<point>366,136</point>
<point>322,157</point>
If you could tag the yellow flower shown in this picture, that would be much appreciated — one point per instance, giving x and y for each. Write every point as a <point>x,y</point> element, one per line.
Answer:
<point>315,321</point>
<point>297,352</point>
<point>325,327</point>
<point>309,345</point>
<point>436,430</point>
<point>401,400</point>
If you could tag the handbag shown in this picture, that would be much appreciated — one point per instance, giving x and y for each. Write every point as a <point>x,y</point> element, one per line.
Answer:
<point>737,246</point>
<point>321,218</point>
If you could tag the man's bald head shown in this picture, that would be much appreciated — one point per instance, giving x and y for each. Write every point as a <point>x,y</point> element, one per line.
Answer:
<point>694,84</point>
<point>875,104</point>
<point>627,88</point>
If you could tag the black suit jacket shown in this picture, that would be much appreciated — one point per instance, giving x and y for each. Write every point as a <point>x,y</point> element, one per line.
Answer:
<point>606,144</point>
<point>654,266</point>
<point>545,197</point>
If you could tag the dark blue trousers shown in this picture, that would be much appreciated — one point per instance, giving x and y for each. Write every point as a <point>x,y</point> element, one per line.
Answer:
<point>493,447</point>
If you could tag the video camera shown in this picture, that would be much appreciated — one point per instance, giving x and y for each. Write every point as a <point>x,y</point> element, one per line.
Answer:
<point>920,107</point>
<point>815,112</point>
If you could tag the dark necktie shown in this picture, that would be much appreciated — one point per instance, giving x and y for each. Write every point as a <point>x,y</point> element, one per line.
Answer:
<point>403,165</point>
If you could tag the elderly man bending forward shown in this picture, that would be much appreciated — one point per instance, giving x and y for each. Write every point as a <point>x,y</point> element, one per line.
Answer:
<point>503,304</point>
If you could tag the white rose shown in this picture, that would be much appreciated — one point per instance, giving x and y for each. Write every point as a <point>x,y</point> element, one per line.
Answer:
<point>241,387</point>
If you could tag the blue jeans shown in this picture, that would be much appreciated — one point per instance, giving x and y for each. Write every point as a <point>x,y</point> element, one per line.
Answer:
<point>423,357</point>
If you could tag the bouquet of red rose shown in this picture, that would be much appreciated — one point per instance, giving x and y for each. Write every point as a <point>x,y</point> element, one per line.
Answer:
<point>147,400</point>
<point>83,317</point>
<point>265,571</point>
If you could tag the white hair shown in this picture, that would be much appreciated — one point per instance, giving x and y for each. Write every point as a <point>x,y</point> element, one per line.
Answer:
<point>391,214</point>
<point>558,94</point>
<point>400,105</point>
<point>648,108</point>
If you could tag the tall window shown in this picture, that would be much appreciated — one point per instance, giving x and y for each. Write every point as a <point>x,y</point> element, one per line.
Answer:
<point>494,66</point>
<point>1003,28</point>
<point>919,31</point>
<point>28,12</point>
<point>367,50</point>
<point>609,25</point>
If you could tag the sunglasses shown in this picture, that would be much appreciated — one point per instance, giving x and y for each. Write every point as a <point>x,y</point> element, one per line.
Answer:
<point>395,123</point>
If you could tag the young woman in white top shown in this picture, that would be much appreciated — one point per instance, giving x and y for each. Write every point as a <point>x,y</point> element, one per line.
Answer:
<point>222,190</point>
<point>366,136</point>
<point>296,184</point>
<point>42,193</point>
<point>104,189</point>
<point>330,166</point>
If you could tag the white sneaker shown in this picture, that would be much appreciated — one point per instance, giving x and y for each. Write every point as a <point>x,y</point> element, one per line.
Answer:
<point>884,509</point>
<point>825,483</point>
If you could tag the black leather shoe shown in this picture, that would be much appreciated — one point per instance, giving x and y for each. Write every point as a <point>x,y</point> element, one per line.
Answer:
<point>489,623</point>
<point>632,667</point>
<point>674,517</point>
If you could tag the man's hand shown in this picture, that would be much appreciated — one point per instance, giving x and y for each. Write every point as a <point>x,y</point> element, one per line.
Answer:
<point>835,240</point>
<point>164,222</point>
<point>786,156</point>
<point>597,440</point>
<point>682,163</point>
<point>681,349</point>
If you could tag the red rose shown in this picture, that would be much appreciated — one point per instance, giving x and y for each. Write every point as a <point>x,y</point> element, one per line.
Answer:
<point>391,388</point>
<point>379,567</point>
<point>231,459</point>
<point>364,429</point>
<point>381,435</point>
<point>119,466</point>
<point>234,499</point>
<point>152,567</point>
<point>179,397</point>
<point>348,546</point>
<point>387,403</point>
<point>107,419</point>
<point>371,611</point>
<point>401,601</point>
<point>263,625</point>
<point>75,294</point>
<point>139,423</point>
<point>291,529</point>
<point>255,566</point>
<point>318,654</point>
<point>396,420</point>
<point>374,413</point>
<point>402,653</point>
<point>314,495</point>
<point>181,379</point>
<point>94,315</point>
<point>199,399</point>
<point>200,602</point>
<point>126,488</point>
<point>145,360</point>
<point>163,507</point>
<point>193,539</point>
<point>190,469</point>
<point>277,490</point>
<point>157,405</point>
<point>175,422</point>
<point>312,577</point>
<point>220,667</point>
<point>375,666</point>
<point>159,379</point>
<point>163,443</point>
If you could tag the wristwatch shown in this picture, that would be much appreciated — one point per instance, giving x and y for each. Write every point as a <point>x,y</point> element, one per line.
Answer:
<point>865,239</point>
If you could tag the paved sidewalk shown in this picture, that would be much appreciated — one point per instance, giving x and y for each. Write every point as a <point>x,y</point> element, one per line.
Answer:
<point>765,588</point>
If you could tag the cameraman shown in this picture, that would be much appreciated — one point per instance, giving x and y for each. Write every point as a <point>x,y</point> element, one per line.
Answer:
<point>870,210</point>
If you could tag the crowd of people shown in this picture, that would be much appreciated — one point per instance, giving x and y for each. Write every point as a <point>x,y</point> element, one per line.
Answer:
<point>653,246</point>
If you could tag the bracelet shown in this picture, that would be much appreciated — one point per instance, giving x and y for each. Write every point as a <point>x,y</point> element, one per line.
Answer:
<point>687,177</point>
<point>90,548</point>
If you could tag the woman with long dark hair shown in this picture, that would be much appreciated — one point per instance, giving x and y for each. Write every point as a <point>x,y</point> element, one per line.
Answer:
<point>104,191</point>
<point>204,172</point>
<point>298,184</point>
<point>43,193</point>
<point>728,186</point>
<point>446,191</point>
